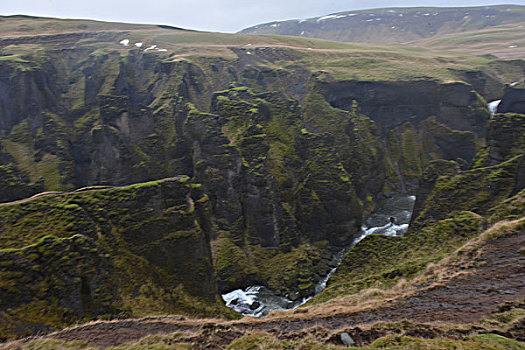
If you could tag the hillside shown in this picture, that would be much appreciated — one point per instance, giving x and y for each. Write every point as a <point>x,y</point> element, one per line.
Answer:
<point>147,170</point>
<point>460,302</point>
<point>471,29</point>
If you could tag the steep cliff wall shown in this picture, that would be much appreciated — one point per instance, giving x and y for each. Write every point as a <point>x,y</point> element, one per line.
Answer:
<point>85,116</point>
<point>513,100</point>
<point>290,144</point>
<point>452,206</point>
<point>106,252</point>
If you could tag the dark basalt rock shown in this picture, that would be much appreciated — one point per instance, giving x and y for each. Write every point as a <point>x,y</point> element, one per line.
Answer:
<point>513,100</point>
<point>287,159</point>
<point>506,136</point>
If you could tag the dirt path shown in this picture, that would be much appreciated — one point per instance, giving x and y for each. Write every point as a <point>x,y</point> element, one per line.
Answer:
<point>495,277</point>
<point>80,190</point>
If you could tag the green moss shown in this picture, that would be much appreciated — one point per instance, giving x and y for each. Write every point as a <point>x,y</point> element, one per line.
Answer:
<point>267,265</point>
<point>477,190</point>
<point>379,260</point>
<point>151,252</point>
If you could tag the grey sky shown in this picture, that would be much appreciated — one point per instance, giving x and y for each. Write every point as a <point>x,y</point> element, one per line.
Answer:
<point>212,15</point>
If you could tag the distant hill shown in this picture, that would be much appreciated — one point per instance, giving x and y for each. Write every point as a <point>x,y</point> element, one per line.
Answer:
<point>505,41</point>
<point>395,25</point>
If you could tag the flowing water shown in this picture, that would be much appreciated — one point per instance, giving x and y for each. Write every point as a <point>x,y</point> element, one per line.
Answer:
<point>493,106</point>
<point>259,301</point>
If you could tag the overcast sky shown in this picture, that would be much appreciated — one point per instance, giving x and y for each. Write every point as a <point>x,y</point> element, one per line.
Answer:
<point>211,15</point>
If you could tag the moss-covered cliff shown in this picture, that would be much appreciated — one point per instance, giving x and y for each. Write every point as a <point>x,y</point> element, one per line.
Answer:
<point>452,206</point>
<point>93,253</point>
<point>276,189</point>
<point>291,141</point>
<point>80,109</point>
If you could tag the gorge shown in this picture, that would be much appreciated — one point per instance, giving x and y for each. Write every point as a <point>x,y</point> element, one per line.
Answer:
<point>150,170</point>
<point>259,301</point>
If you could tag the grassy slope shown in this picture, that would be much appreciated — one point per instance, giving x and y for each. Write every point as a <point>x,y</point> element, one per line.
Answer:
<point>491,332</point>
<point>505,41</point>
<point>344,61</point>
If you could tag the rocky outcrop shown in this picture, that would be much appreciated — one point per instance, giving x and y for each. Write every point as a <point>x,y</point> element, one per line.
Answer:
<point>431,174</point>
<point>391,104</point>
<point>505,137</point>
<point>123,250</point>
<point>496,174</point>
<point>273,188</point>
<point>513,100</point>
<point>452,206</point>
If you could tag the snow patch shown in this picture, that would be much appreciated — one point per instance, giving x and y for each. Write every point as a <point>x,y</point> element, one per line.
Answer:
<point>302,33</point>
<point>139,45</point>
<point>513,46</point>
<point>514,83</point>
<point>248,53</point>
<point>162,50</point>
<point>152,47</point>
<point>426,14</point>
<point>124,42</point>
<point>325,18</point>
<point>275,25</point>
<point>369,20</point>
<point>393,27</point>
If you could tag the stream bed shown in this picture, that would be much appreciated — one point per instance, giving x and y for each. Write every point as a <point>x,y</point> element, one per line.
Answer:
<point>258,301</point>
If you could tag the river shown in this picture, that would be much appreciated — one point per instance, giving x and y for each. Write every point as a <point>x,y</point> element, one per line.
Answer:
<point>259,301</point>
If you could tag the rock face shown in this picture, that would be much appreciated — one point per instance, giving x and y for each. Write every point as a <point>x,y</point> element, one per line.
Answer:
<point>452,206</point>
<point>288,158</point>
<point>271,185</point>
<point>417,122</point>
<point>112,251</point>
<point>390,104</point>
<point>505,137</point>
<point>70,277</point>
<point>513,100</point>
